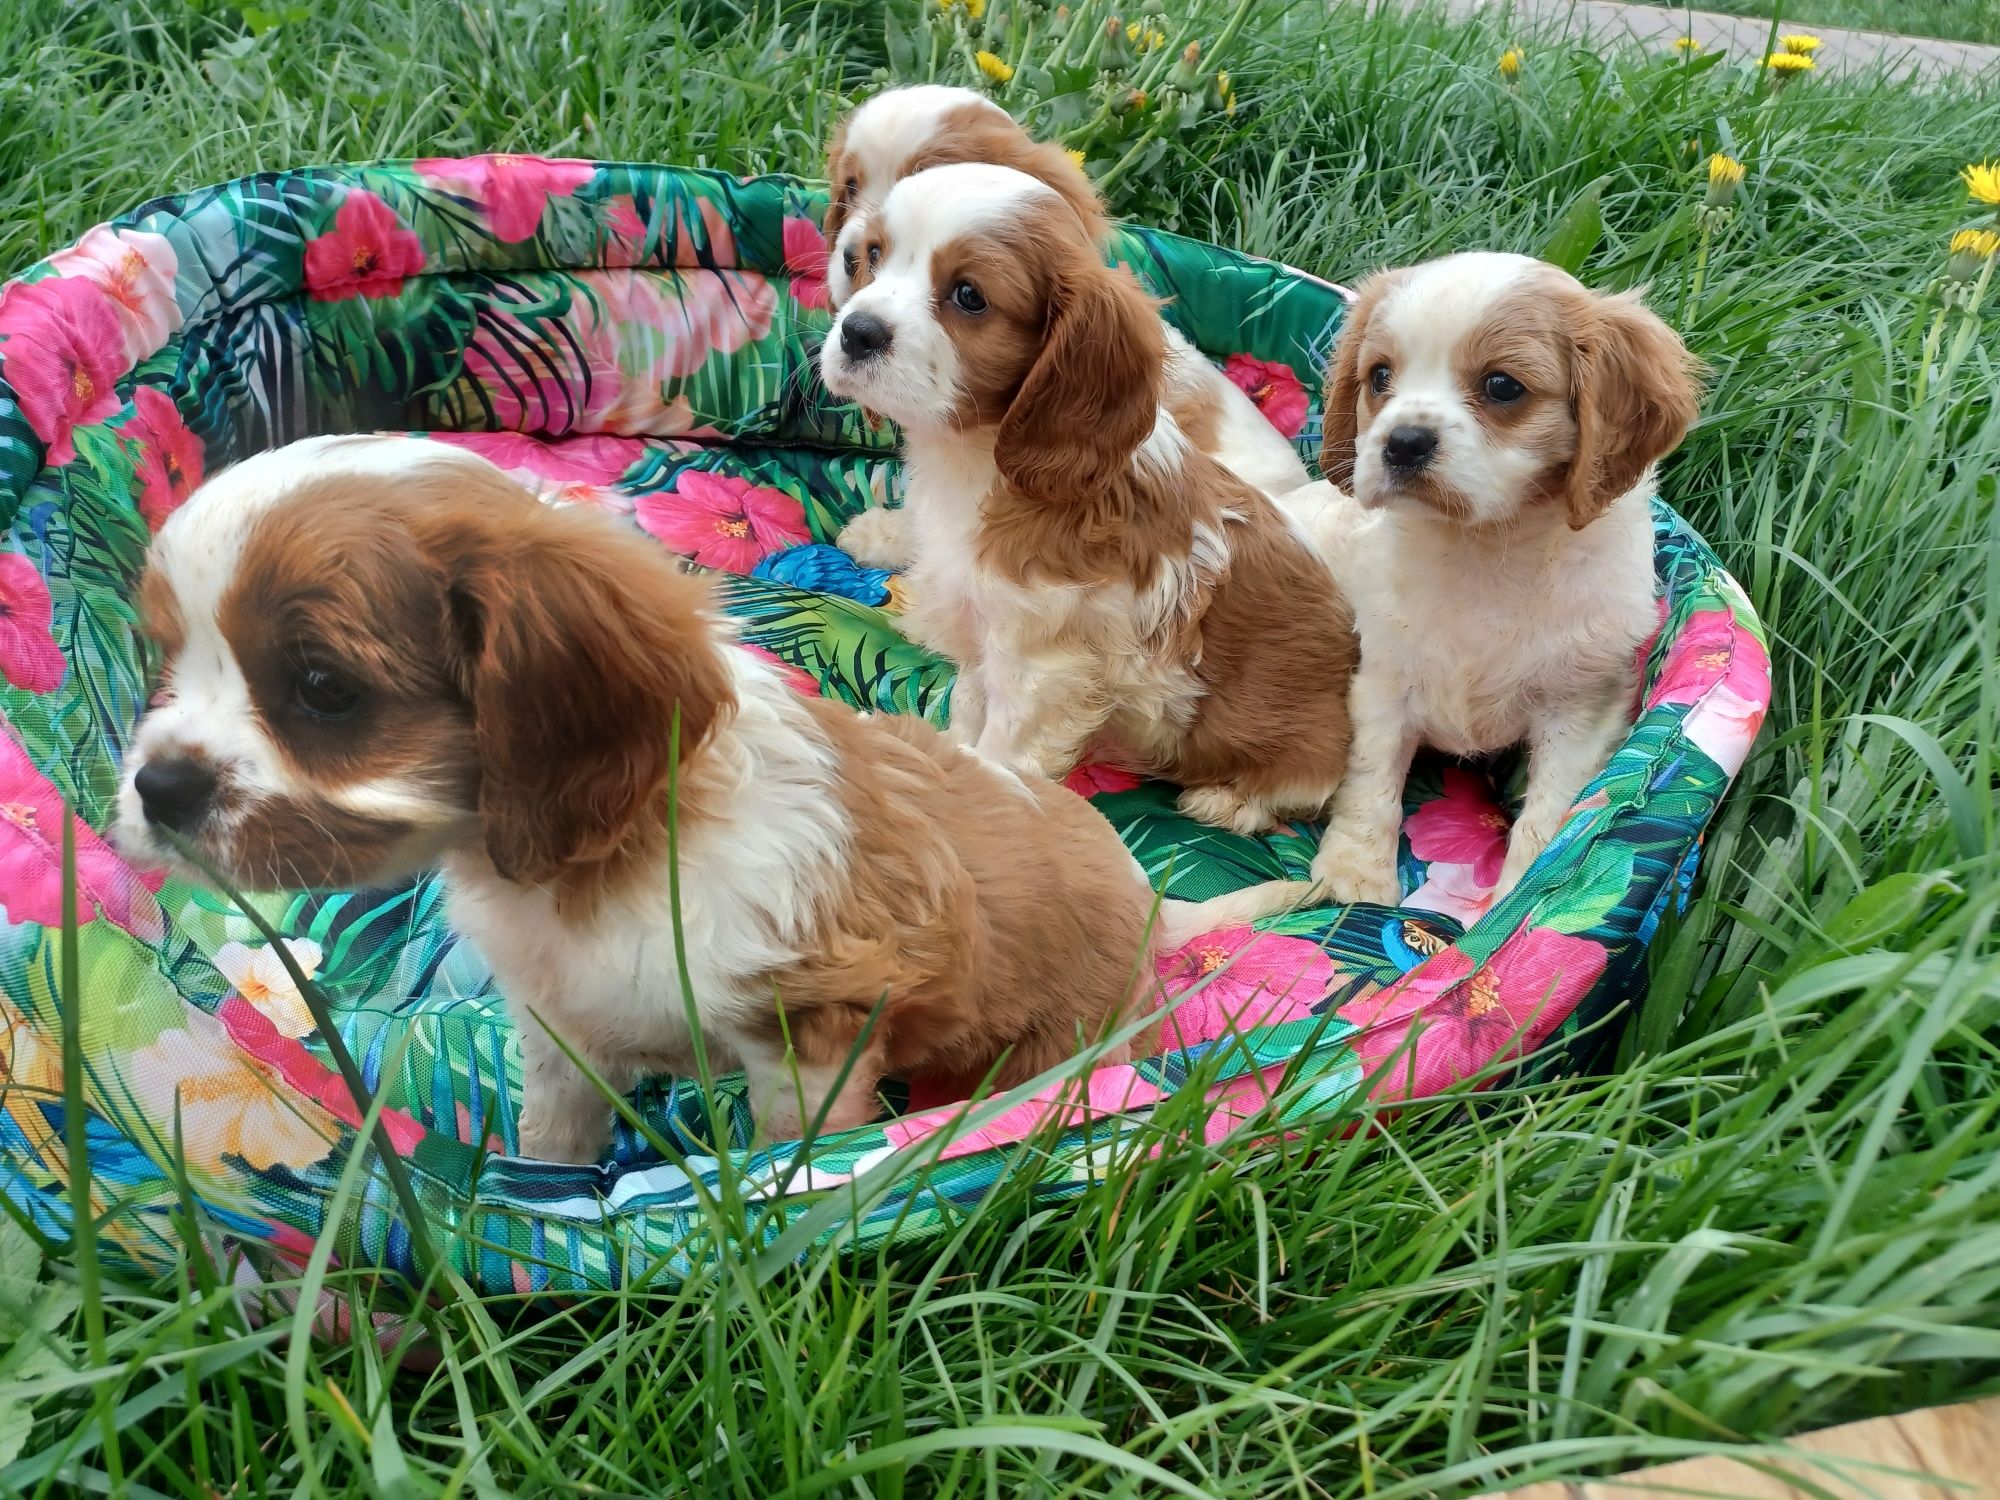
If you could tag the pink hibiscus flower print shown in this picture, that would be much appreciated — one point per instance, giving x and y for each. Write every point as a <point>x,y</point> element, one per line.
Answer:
<point>1095,781</point>
<point>1463,827</point>
<point>1724,672</point>
<point>1272,388</point>
<point>367,253</point>
<point>705,240</point>
<point>31,869</point>
<point>62,351</point>
<point>513,191</point>
<point>136,272</point>
<point>624,232</point>
<point>723,522</point>
<point>29,655</point>
<point>170,456</point>
<point>1253,979</point>
<point>669,327</point>
<point>1468,1018</point>
<point>592,459</point>
<point>805,262</point>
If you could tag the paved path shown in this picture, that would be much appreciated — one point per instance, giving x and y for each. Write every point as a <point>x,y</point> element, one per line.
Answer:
<point>1658,25</point>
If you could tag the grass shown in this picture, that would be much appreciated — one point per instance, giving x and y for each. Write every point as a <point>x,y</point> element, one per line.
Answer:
<point>1959,20</point>
<point>1781,1209</point>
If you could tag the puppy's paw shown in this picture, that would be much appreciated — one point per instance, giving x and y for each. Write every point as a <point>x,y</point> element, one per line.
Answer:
<point>877,538</point>
<point>1226,807</point>
<point>552,1135</point>
<point>1524,846</point>
<point>1349,871</point>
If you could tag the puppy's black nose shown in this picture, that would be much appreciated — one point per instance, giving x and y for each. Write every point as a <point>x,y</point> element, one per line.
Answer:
<point>863,335</point>
<point>1409,448</point>
<point>174,793</point>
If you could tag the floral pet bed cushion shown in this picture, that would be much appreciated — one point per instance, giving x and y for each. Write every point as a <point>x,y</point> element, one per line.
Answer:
<point>642,338</point>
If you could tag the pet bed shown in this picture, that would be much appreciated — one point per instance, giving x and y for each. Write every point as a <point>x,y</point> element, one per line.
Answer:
<point>642,338</point>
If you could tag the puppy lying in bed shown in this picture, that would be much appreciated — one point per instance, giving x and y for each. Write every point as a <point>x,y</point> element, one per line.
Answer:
<point>907,130</point>
<point>1497,424</point>
<point>497,685</point>
<point>1100,581</point>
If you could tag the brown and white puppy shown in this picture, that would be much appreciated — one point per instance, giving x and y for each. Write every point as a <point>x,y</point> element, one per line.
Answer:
<point>1497,425</point>
<point>908,130</point>
<point>1099,580</point>
<point>380,653</point>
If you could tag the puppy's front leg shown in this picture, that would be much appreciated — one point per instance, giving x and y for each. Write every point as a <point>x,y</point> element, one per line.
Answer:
<point>877,538</point>
<point>563,1116</point>
<point>1043,705</point>
<point>1357,858</point>
<point>1566,748</point>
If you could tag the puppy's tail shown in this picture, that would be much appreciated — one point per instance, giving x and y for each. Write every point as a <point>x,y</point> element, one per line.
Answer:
<point>1181,922</point>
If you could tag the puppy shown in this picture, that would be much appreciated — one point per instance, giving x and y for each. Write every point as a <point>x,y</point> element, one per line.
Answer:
<point>1498,426</point>
<point>1099,580</point>
<point>907,130</point>
<point>380,653</point>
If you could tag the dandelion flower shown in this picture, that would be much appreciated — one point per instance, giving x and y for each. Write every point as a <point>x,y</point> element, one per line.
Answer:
<point>1984,243</point>
<point>973,9</point>
<point>1725,176</point>
<point>1074,155</point>
<point>1687,46</point>
<point>1789,64</point>
<point>1799,43</point>
<point>1983,182</point>
<point>1971,250</point>
<point>1227,91</point>
<point>991,65</point>
<point>1510,63</point>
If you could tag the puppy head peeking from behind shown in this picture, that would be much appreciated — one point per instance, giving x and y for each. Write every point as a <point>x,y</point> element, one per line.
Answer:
<point>907,130</point>
<point>377,651</point>
<point>1480,389</point>
<point>983,306</point>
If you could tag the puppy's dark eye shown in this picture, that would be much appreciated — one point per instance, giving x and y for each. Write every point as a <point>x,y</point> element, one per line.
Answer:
<point>1503,388</point>
<point>874,256</point>
<point>849,188</point>
<point>320,694</point>
<point>848,261</point>
<point>965,297</point>
<point>1378,379</point>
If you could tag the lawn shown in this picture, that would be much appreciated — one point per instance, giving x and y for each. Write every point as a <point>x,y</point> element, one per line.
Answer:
<point>1960,20</point>
<point>1781,1208</point>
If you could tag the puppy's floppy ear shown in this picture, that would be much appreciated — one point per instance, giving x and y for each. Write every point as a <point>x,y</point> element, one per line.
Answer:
<point>838,171</point>
<point>1093,393</point>
<point>1636,391</point>
<point>1338,424</point>
<point>575,644</point>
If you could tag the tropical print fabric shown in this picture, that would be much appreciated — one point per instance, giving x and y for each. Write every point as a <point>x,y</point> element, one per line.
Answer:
<point>642,338</point>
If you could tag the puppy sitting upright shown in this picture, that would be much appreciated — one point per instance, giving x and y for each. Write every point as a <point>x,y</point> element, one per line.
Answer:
<point>908,130</point>
<point>382,652</point>
<point>1099,581</point>
<point>1498,425</point>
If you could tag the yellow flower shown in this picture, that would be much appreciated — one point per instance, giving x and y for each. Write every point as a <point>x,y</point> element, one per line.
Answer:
<point>1228,92</point>
<point>1983,182</point>
<point>1785,64</point>
<point>1687,46</point>
<point>1074,155</point>
<point>1799,43</point>
<point>1510,63</point>
<point>1972,250</point>
<point>1982,244</point>
<point>1725,175</point>
<point>973,9</point>
<point>993,67</point>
